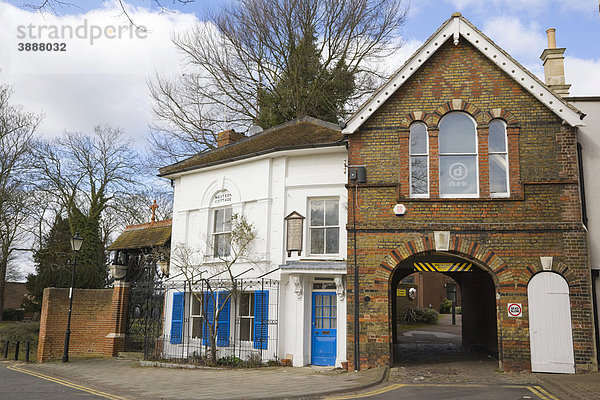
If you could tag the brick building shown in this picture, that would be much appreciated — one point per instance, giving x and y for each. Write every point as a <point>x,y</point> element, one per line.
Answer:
<point>471,170</point>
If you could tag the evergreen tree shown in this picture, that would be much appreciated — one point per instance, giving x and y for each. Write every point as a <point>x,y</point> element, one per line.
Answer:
<point>52,259</point>
<point>306,88</point>
<point>51,269</point>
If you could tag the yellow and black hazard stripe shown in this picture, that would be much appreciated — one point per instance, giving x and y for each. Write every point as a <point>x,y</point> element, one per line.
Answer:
<point>443,267</point>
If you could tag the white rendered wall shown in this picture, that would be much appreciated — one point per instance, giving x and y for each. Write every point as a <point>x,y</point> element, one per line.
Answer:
<point>265,190</point>
<point>589,137</point>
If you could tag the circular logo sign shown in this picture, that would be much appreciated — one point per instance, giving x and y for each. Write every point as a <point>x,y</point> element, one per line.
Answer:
<point>515,310</point>
<point>458,171</point>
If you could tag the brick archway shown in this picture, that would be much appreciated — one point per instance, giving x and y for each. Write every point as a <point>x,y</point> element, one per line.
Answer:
<point>485,259</point>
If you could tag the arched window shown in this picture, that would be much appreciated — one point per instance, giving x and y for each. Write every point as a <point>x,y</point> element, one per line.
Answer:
<point>458,156</point>
<point>498,151</point>
<point>419,160</point>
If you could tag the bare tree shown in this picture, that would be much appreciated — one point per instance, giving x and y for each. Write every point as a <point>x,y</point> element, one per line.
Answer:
<point>249,47</point>
<point>17,129</point>
<point>85,173</point>
<point>215,285</point>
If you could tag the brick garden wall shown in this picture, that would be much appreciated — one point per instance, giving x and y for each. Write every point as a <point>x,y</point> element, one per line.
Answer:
<point>97,322</point>
<point>503,236</point>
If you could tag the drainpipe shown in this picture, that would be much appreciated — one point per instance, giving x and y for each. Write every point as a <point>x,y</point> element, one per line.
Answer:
<point>356,287</point>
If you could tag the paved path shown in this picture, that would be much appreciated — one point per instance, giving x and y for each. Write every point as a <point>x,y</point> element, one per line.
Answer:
<point>129,380</point>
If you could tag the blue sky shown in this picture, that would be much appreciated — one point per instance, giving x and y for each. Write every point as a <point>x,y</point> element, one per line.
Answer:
<point>106,82</point>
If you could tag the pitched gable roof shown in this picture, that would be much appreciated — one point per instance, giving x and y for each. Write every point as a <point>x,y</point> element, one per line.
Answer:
<point>458,28</point>
<point>304,132</point>
<point>143,236</point>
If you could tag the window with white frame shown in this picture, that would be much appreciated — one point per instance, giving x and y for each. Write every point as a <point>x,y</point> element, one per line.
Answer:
<point>459,175</point>
<point>419,160</point>
<point>196,315</point>
<point>324,226</point>
<point>222,232</point>
<point>246,316</point>
<point>498,153</point>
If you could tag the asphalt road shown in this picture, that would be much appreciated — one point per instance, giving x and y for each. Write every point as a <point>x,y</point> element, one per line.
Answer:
<point>18,385</point>
<point>450,392</point>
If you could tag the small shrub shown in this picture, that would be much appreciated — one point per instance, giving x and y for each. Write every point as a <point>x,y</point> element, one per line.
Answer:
<point>22,331</point>
<point>419,315</point>
<point>254,360</point>
<point>446,307</point>
<point>458,309</point>
<point>231,361</point>
<point>13,314</point>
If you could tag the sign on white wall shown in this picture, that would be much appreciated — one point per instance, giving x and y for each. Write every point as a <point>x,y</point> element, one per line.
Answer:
<point>223,197</point>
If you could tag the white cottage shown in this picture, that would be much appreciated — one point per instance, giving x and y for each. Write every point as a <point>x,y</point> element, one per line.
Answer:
<point>289,182</point>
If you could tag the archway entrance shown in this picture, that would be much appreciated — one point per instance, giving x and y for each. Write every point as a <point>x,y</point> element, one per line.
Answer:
<point>476,331</point>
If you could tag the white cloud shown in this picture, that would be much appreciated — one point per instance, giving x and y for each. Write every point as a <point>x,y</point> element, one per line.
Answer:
<point>103,82</point>
<point>523,42</point>
<point>583,76</point>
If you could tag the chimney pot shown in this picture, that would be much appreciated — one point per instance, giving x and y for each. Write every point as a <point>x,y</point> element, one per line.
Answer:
<point>551,38</point>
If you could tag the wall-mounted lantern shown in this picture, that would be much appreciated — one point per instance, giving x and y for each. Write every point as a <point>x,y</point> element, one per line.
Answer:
<point>295,223</point>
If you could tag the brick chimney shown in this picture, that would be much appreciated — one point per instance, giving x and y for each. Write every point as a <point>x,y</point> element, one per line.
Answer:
<point>554,65</point>
<point>228,136</point>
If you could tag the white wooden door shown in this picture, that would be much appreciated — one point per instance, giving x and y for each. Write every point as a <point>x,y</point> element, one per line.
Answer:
<point>550,333</point>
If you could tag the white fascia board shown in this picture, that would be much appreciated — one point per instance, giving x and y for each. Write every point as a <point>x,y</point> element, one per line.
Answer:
<point>323,271</point>
<point>275,154</point>
<point>460,29</point>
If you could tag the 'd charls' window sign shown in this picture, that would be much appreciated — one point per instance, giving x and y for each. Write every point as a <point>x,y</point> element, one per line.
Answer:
<point>223,197</point>
<point>295,222</point>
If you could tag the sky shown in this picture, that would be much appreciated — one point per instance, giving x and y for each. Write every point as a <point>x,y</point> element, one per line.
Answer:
<point>104,80</point>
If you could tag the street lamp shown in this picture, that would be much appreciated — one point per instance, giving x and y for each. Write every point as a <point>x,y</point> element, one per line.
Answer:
<point>76,242</point>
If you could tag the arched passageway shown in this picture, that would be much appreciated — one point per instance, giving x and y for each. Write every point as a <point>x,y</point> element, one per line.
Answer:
<point>476,332</point>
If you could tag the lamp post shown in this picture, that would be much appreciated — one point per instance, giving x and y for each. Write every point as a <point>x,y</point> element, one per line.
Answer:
<point>76,242</point>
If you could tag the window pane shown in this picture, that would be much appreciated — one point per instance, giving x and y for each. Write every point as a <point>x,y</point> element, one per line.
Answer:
<point>326,324</point>
<point>227,220</point>
<point>333,305</point>
<point>196,327</point>
<point>317,241</point>
<point>458,175</point>
<point>319,322</point>
<point>219,214</point>
<point>497,137</point>
<point>222,245</point>
<point>418,174</point>
<point>331,212</point>
<point>332,243</point>
<point>319,300</point>
<point>244,304</point>
<point>196,309</point>
<point>326,300</point>
<point>318,311</point>
<point>418,138</point>
<point>498,166</point>
<point>457,134</point>
<point>245,325</point>
<point>333,323</point>
<point>317,211</point>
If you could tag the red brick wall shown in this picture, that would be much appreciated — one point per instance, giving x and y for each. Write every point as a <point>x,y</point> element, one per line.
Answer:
<point>97,322</point>
<point>503,236</point>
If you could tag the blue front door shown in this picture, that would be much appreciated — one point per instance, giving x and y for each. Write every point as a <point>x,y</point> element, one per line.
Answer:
<point>324,328</point>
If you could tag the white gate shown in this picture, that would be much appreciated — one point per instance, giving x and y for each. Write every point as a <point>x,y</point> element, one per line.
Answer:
<point>550,333</point>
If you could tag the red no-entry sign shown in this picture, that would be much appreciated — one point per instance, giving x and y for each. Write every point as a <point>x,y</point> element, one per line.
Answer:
<point>515,310</point>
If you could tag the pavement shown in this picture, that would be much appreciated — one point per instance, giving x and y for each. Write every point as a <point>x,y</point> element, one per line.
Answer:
<point>423,370</point>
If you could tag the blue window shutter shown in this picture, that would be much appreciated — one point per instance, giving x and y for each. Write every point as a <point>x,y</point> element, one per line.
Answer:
<point>223,329</point>
<point>261,318</point>
<point>209,306</point>
<point>177,318</point>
